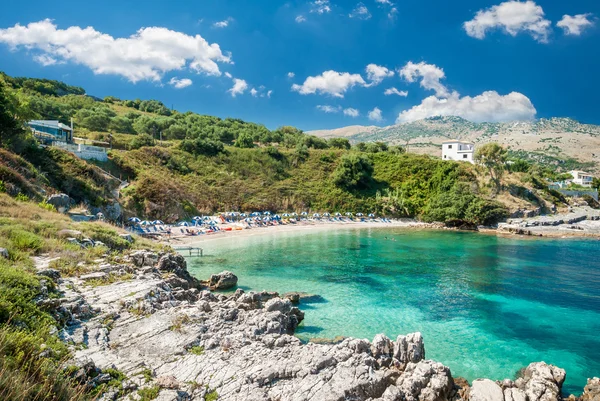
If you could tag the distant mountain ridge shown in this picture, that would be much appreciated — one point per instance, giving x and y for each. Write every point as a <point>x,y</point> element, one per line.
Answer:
<point>555,138</point>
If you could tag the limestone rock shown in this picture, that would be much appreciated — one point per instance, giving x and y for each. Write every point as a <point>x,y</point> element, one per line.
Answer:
<point>486,390</point>
<point>409,348</point>
<point>169,382</point>
<point>222,281</point>
<point>4,253</point>
<point>591,392</point>
<point>423,381</point>
<point>69,234</point>
<point>542,382</point>
<point>62,202</point>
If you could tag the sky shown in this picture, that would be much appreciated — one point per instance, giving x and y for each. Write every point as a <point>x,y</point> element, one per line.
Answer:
<point>319,64</point>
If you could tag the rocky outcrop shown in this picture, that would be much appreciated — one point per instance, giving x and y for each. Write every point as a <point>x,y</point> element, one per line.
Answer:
<point>222,281</point>
<point>161,330</point>
<point>591,392</point>
<point>62,202</point>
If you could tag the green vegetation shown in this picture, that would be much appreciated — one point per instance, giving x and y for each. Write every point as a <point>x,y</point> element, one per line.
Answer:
<point>211,395</point>
<point>493,157</point>
<point>148,393</point>
<point>196,350</point>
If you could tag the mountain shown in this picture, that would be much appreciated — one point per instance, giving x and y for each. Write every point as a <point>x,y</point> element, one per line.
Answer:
<point>558,141</point>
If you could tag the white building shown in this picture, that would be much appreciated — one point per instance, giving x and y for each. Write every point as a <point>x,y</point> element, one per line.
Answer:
<point>582,178</point>
<point>458,150</point>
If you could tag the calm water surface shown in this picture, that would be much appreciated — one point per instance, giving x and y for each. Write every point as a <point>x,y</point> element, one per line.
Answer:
<point>486,306</point>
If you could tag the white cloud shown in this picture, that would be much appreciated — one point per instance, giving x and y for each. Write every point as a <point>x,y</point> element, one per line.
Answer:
<point>489,107</point>
<point>430,75</point>
<point>376,73</point>
<point>253,92</point>
<point>320,6</point>
<point>388,2</point>
<point>375,115</point>
<point>330,83</point>
<point>228,75</point>
<point>575,24</point>
<point>329,109</point>
<point>291,75</point>
<point>46,60</point>
<point>393,13</point>
<point>223,24</point>
<point>360,12</point>
<point>269,93</point>
<point>394,91</point>
<point>239,87</point>
<point>512,17</point>
<point>180,83</point>
<point>351,112</point>
<point>146,55</point>
<point>300,18</point>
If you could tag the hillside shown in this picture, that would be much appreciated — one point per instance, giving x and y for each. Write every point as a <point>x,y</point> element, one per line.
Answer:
<point>559,142</point>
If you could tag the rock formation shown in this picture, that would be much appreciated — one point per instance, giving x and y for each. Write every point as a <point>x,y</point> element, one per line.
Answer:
<point>162,329</point>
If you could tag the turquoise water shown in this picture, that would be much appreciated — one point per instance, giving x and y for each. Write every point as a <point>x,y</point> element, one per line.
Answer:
<point>487,306</point>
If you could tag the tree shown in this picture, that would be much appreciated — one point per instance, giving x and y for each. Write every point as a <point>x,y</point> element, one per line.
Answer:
<point>596,183</point>
<point>492,156</point>
<point>201,146</point>
<point>141,140</point>
<point>354,171</point>
<point>244,140</point>
<point>340,143</point>
<point>11,126</point>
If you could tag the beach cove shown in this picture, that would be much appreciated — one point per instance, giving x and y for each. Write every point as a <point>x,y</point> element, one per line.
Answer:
<point>485,304</point>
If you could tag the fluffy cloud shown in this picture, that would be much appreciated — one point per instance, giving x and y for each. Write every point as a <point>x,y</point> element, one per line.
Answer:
<point>329,109</point>
<point>430,76</point>
<point>330,83</point>
<point>269,93</point>
<point>223,24</point>
<point>394,91</point>
<point>320,6</point>
<point>254,92</point>
<point>375,115</point>
<point>513,17</point>
<point>393,12</point>
<point>300,19</point>
<point>180,83</point>
<point>146,55</point>
<point>388,2</point>
<point>46,60</point>
<point>575,24</point>
<point>351,112</point>
<point>291,75</point>
<point>489,107</point>
<point>376,73</point>
<point>228,75</point>
<point>360,12</point>
<point>239,87</point>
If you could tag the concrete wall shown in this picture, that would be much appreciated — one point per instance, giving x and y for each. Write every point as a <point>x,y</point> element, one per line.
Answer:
<point>578,194</point>
<point>86,152</point>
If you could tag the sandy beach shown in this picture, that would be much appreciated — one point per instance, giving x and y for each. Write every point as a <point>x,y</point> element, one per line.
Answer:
<point>197,240</point>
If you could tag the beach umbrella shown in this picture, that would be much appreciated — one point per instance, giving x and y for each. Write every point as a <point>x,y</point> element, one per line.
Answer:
<point>338,214</point>
<point>184,224</point>
<point>304,214</point>
<point>267,213</point>
<point>359,214</point>
<point>157,222</point>
<point>294,214</point>
<point>348,214</point>
<point>146,223</point>
<point>196,218</point>
<point>133,220</point>
<point>326,214</point>
<point>206,218</point>
<point>243,215</point>
<point>371,215</point>
<point>316,215</point>
<point>286,215</point>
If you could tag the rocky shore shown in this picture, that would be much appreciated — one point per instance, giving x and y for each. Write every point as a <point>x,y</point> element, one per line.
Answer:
<point>170,338</point>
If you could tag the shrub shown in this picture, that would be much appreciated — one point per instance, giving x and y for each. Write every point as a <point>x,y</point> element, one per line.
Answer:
<point>47,206</point>
<point>24,240</point>
<point>196,350</point>
<point>141,140</point>
<point>22,197</point>
<point>149,393</point>
<point>353,172</point>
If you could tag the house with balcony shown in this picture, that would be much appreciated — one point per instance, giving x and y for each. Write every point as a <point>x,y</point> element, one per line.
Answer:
<point>582,178</point>
<point>48,131</point>
<point>458,151</point>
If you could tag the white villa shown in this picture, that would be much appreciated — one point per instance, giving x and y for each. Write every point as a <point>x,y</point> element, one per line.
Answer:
<point>458,150</point>
<point>582,178</point>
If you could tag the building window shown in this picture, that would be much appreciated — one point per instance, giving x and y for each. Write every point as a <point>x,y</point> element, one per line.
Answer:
<point>464,156</point>
<point>445,156</point>
<point>449,146</point>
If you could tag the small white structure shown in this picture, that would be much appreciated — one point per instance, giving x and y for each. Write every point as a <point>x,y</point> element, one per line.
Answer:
<point>82,151</point>
<point>458,150</point>
<point>582,178</point>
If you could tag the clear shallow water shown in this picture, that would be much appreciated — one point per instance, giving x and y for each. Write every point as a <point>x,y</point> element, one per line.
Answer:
<point>487,306</point>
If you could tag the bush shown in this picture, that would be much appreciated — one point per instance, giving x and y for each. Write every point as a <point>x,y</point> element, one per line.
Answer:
<point>141,140</point>
<point>47,206</point>
<point>198,146</point>
<point>354,171</point>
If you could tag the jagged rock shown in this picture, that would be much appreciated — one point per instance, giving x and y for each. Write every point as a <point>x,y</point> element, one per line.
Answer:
<point>486,390</point>
<point>514,394</point>
<point>50,273</point>
<point>69,234</point>
<point>294,297</point>
<point>93,276</point>
<point>409,348</point>
<point>4,253</point>
<point>542,382</point>
<point>222,281</point>
<point>127,237</point>
<point>144,258</point>
<point>423,381</point>
<point>591,391</point>
<point>62,202</point>
<point>169,382</point>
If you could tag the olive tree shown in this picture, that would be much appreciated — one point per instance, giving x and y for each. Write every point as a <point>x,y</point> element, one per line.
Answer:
<point>492,156</point>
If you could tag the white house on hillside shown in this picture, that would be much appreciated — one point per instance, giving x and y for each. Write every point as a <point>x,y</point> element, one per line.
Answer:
<point>458,150</point>
<point>582,178</point>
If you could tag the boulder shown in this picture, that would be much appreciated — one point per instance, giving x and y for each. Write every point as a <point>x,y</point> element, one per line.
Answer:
<point>169,382</point>
<point>50,273</point>
<point>591,391</point>
<point>409,348</point>
<point>423,381</point>
<point>542,382</point>
<point>4,253</point>
<point>223,280</point>
<point>486,390</point>
<point>69,234</point>
<point>127,237</point>
<point>144,258</point>
<point>62,202</point>
<point>294,297</point>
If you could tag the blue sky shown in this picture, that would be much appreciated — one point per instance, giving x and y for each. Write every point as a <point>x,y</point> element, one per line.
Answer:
<point>483,60</point>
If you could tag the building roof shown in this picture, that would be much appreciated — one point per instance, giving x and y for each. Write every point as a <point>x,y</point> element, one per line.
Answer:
<point>579,172</point>
<point>457,141</point>
<point>50,124</point>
